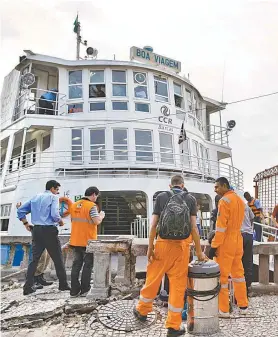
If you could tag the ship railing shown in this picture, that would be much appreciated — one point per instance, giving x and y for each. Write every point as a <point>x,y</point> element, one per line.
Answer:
<point>269,232</point>
<point>118,162</point>
<point>141,228</point>
<point>218,134</point>
<point>30,101</point>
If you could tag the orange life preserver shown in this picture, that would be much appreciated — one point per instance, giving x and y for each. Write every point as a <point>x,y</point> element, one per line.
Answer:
<point>65,204</point>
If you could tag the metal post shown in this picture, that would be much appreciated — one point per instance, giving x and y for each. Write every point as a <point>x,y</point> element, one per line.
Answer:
<point>78,41</point>
<point>22,151</point>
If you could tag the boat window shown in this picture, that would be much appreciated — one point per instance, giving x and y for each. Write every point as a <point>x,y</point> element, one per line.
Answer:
<point>207,161</point>
<point>161,88</point>
<point>97,84</point>
<point>144,145</point>
<point>120,144</point>
<point>119,83</point>
<point>77,145</point>
<point>5,216</point>
<point>185,153</point>
<point>189,100</point>
<point>97,144</point>
<point>76,107</point>
<point>166,147</point>
<point>178,95</point>
<point>142,107</point>
<point>75,84</point>
<point>97,106</point>
<point>119,105</point>
<point>29,154</point>
<point>196,155</point>
<point>140,85</point>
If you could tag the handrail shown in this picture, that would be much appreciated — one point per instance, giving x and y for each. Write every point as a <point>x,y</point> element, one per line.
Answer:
<point>28,103</point>
<point>268,231</point>
<point>78,163</point>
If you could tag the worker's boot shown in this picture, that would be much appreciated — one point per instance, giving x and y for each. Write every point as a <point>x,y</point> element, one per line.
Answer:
<point>138,315</point>
<point>41,280</point>
<point>36,284</point>
<point>173,333</point>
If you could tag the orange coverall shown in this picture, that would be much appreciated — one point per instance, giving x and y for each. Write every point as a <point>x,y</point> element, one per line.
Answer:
<point>228,241</point>
<point>171,257</point>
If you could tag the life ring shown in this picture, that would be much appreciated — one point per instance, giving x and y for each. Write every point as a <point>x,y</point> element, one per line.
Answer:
<point>64,208</point>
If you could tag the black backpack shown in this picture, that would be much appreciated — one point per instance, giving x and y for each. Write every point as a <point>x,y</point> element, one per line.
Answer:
<point>174,222</point>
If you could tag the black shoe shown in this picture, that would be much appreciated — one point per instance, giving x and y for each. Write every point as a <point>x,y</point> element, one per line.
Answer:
<point>173,333</point>
<point>64,287</point>
<point>138,315</point>
<point>75,293</point>
<point>29,290</point>
<point>41,280</point>
<point>37,286</point>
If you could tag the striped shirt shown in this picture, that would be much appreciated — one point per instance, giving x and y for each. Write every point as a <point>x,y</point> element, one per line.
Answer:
<point>94,212</point>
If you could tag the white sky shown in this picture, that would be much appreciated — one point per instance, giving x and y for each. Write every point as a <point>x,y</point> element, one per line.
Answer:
<point>202,34</point>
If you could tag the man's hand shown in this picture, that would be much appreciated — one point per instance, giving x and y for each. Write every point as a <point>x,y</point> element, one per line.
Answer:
<point>201,256</point>
<point>102,214</point>
<point>212,253</point>
<point>150,254</point>
<point>28,227</point>
<point>18,204</point>
<point>61,223</point>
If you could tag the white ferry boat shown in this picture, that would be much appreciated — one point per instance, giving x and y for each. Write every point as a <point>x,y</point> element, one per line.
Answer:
<point>123,126</point>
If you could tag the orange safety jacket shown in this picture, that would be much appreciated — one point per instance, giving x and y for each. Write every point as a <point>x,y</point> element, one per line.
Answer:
<point>82,225</point>
<point>229,220</point>
<point>255,210</point>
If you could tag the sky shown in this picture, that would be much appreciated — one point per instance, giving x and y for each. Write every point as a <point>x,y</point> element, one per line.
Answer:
<point>211,38</point>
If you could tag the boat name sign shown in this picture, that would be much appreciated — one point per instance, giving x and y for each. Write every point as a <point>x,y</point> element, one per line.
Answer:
<point>147,56</point>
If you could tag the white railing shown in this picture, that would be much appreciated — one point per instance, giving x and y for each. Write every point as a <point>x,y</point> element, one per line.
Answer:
<point>269,232</point>
<point>29,103</point>
<point>140,228</point>
<point>120,163</point>
<point>218,134</point>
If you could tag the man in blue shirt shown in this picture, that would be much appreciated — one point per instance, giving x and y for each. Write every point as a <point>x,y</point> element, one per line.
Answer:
<point>45,217</point>
<point>46,102</point>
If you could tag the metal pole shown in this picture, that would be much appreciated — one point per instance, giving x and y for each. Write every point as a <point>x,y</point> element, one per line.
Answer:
<point>78,41</point>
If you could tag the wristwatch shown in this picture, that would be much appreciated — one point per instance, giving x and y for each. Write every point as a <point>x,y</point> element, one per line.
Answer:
<point>25,223</point>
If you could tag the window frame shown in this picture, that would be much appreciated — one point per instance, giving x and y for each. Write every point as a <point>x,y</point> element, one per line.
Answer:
<point>101,157</point>
<point>143,103</point>
<point>135,85</point>
<point>169,160</point>
<point>82,146</point>
<point>97,83</point>
<point>187,154</point>
<point>4,216</point>
<point>195,144</point>
<point>151,146</point>
<point>119,101</point>
<point>44,136</point>
<point>75,84</point>
<point>124,146</point>
<point>120,83</point>
<point>179,95</point>
<point>97,102</point>
<point>157,96</point>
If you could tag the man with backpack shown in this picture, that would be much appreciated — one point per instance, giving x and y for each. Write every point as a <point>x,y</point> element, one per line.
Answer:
<point>174,220</point>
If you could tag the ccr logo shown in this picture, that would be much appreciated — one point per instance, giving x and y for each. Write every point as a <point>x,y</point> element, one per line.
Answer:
<point>165,110</point>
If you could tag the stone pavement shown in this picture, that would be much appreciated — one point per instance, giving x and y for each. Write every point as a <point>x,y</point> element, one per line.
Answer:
<point>53,313</point>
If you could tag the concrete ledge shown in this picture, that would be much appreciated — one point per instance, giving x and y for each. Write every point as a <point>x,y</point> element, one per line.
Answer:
<point>264,289</point>
<point>110,246</point>
<point>265,248</point>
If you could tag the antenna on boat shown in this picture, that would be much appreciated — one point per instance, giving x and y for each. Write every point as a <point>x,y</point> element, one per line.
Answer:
<point>77,31</point>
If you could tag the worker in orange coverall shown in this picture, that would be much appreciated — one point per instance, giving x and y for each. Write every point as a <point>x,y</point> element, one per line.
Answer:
<point>227,246</point>
<point>170,256</point>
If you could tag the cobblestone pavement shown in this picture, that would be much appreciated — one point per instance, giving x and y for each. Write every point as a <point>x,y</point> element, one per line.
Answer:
<point>53,313</point>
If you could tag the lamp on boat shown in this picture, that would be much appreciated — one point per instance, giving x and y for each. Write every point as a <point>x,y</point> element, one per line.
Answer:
<point>231,124</point>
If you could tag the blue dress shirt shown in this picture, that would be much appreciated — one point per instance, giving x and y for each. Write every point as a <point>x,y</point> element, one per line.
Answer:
<point>44,209</point>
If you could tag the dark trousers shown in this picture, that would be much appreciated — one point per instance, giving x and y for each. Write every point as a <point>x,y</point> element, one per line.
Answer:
<point>81,258</point>
<point>258,229</point>
<point>46,237</point>
<point>247,257</point>
<point>45,107</point>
